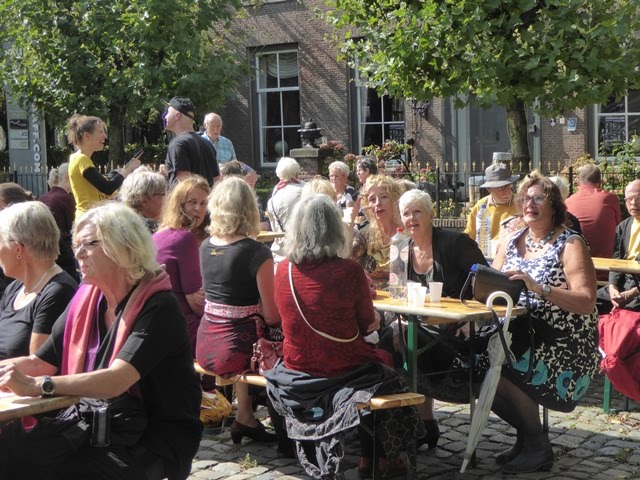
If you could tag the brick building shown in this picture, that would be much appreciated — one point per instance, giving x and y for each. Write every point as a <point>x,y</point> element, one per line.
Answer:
<point>296,77</point>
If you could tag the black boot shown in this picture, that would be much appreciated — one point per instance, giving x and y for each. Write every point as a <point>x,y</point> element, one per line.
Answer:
<point>511,453</point>
<point>536,454</point>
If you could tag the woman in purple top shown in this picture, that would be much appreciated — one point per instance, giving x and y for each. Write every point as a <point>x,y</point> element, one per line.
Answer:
<point>177,246</point>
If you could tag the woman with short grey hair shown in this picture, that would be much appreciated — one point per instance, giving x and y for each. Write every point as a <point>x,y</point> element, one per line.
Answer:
<point>327,311</point>
<point>346,195</point>
<point>41,290</point>
<point>144,191</point>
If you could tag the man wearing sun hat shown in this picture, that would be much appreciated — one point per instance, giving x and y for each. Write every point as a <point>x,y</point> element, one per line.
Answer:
<point>188,153</point>
<point>500,201</point>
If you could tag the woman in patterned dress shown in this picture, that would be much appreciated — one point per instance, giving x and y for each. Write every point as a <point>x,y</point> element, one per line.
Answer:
<point>555,265</point>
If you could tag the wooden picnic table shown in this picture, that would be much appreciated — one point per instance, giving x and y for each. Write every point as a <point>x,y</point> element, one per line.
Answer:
<point>617,265</point>
<point>266,237</point>
<point>449,310</point>
<point>13,406</point>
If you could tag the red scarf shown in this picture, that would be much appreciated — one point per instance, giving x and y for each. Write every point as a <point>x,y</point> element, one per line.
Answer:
<point>81,320</point>
<point>283,183</point>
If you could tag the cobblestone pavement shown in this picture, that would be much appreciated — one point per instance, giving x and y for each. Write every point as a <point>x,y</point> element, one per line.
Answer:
<point>588,444</point>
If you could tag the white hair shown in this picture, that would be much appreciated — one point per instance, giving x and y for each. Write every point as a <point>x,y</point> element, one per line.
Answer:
<point>287,168</point>
<point>416,197</point>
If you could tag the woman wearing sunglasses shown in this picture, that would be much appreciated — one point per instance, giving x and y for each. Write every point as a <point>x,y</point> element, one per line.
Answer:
<point>555,265</point>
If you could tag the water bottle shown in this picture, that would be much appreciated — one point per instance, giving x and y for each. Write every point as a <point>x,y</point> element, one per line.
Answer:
<point>483,231</point>
<point>398,264</point>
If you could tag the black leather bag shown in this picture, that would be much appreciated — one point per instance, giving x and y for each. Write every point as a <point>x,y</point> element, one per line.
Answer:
<point>485,280</point>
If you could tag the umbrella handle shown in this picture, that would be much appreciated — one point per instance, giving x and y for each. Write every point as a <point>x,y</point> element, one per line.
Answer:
<point>508,299</point>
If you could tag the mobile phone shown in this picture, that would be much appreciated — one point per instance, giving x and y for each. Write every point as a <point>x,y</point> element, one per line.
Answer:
<point>139,153</point>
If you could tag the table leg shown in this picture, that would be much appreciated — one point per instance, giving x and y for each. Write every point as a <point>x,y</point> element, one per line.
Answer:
<point>412,352</point>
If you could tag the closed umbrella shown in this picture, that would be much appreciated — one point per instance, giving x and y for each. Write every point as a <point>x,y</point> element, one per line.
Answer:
<point>489,385</point>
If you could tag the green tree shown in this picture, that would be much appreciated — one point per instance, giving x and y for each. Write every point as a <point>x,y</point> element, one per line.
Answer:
<point>118,59</point>
<point>551,55</point>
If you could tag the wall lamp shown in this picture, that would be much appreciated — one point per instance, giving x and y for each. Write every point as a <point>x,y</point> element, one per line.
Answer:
<point>421,108</point>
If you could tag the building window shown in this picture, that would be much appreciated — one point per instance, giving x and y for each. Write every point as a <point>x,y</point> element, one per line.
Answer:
<point>618,121</point>
<point>378,118</point>
<point>278,93</point>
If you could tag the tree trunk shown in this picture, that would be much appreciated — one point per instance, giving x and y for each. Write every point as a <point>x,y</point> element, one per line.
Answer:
<point>116,134</point>
<point>518,137</point>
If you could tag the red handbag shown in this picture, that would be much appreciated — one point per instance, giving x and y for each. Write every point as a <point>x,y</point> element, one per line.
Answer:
<point>265,355</point>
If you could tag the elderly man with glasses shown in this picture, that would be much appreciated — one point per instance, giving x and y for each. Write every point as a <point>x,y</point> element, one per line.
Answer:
<point>623,290</point>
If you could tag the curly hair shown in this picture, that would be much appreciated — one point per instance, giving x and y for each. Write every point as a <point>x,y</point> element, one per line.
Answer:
<point>395,191</point>
<point>174,214</point>
<point>553,194</point>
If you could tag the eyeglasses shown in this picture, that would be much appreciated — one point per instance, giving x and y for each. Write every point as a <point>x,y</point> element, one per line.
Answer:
<point>159,194</point>
<point>537,199</point>
<point>88,244</point>
<point>632,198</point>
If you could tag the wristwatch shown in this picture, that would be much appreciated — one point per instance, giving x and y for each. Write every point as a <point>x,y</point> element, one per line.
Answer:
<point>546,291</point>
<point>47,388</point>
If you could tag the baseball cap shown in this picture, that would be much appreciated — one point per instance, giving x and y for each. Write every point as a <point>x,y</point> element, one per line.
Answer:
<point>184,105</point>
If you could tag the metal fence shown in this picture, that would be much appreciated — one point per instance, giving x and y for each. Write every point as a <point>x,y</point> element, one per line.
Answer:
<point>35,182</point>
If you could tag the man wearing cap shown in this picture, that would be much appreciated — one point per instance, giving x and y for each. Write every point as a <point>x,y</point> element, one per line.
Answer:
<point>188,153</point>
<point>224,148</point>
<point>500,201</point>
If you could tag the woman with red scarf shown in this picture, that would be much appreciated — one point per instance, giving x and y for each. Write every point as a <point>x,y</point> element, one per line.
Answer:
<point>122,339</point>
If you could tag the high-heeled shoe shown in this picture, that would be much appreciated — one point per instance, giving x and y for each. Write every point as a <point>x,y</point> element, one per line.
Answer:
<point>257,433</point>
<point>431,434</point>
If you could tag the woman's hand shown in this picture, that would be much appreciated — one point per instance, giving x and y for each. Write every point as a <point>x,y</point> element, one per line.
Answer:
<point>375,325</point>
<point>620,299</point>
<point>11,380</point>
<point>529,282</point>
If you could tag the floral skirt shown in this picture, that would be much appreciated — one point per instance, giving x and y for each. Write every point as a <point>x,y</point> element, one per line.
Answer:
<point>225,338</point>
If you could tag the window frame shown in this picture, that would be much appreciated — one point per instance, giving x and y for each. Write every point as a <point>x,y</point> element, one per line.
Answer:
<point>261,92</point>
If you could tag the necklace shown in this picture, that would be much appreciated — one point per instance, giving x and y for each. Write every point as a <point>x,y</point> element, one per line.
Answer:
<point>37,285</point>
<point>533,246</point>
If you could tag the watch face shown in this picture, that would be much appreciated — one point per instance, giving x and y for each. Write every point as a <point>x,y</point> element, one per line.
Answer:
<point>48,387</point>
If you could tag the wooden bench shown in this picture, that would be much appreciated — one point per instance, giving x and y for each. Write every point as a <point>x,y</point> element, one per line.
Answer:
<point>380,402</point>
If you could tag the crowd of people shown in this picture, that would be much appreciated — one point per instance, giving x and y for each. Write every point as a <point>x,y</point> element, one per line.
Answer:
<point>170,271</point>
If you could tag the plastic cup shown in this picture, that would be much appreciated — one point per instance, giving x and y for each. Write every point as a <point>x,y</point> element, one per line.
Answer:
<point>419,296</point>
<point>435,292</point>
<point>411,291</point>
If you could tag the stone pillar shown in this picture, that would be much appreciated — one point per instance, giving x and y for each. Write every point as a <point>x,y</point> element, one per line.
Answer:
<point>308,158</point>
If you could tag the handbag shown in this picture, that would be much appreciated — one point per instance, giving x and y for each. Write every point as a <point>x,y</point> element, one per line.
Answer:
<point>267,349</point>
<point>486,280</point>
<point>214,407</point>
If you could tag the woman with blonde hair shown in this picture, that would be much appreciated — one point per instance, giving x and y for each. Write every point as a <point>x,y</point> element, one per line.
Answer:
<point>237,274</point>
<point>177,241</point>
<point>87,135</point>
<point>380,195</point>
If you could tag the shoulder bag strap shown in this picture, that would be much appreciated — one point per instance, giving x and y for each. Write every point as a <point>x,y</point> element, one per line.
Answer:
<point>322,334</point>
